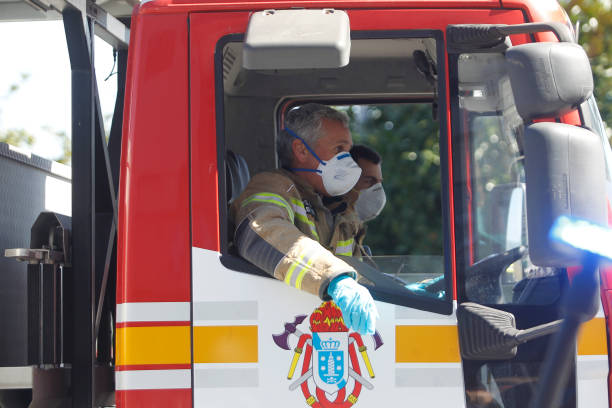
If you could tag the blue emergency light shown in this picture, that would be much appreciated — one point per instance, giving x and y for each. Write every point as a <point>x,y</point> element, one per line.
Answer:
<point>583,235</point>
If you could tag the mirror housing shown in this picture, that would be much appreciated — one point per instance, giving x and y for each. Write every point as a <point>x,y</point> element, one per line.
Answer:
<point>297,39</point>
<point>548,79</point>
<point>565,174</point>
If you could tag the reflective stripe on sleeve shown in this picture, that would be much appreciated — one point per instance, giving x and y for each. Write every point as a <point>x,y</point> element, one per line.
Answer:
<point>345,248</point>
<point>300,213</point>
<point>270,198</point>
<point>298,270</point>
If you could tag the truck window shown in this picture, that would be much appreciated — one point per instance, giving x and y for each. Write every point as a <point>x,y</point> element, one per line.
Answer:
<point>393,112</point>
<point>592,120</point>
<point>496,268</point>
<point>493,265</point>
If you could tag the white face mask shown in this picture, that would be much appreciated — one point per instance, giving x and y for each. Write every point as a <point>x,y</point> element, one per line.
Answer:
<point>339,174</point>
<point>370,202</point>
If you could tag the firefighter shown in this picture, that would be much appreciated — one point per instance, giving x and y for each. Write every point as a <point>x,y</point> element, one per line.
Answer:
<point>365,201</point>
<point>283,226</point>
<point>371,199</point>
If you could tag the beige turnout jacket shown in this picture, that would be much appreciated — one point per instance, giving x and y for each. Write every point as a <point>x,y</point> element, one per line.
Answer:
<point>283,228</point>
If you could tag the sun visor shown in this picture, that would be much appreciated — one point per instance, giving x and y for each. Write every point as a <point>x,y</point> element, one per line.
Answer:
<point>548,79</point>
<point>297,39</point>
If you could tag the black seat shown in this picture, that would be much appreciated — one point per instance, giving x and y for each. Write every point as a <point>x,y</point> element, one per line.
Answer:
<point>237,175</point>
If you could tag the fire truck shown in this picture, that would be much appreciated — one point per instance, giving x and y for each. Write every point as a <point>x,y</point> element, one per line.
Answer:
<point>140,299</point>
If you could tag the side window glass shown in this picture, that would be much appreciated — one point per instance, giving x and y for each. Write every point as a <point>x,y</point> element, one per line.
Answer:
<point>496,268</point>
<point>593,121</point>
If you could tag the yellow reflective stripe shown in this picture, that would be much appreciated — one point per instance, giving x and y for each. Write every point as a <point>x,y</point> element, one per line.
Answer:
<point>292,268</point>
<point>427,344</point>
<point>300,214</point>
<point>313,228</point>
<point>592,338</point>
<point>345,248</point>
<point>153,345</point>
<point>270,198</point>
<point>298,282</point>
<point>297,202</point>
<point>314,232</point>
<point>225,344</point>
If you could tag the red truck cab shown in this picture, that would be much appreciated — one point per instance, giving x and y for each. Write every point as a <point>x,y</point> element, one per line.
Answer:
<point>194,321</point>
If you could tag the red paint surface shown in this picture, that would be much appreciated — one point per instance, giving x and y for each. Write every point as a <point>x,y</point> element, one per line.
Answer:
<point>206,30</point>
<point>165,6</point>
<point>131,367</point>
<point>154,247</point>
<point>536,12</point>
<point>151,324</point>
<point>571,118</point>
<point>154,398</point>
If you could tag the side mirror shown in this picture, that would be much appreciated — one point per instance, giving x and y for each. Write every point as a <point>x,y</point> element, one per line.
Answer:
<point>565,174</point>
<point>548,79</point>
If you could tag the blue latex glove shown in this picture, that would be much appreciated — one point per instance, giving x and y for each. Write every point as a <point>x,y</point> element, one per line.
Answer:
<point>355,302</point>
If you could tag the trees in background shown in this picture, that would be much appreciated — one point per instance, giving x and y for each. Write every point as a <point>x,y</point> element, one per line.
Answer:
<point>15,137</point>
<point>595,22</point>
<point>407,138</point>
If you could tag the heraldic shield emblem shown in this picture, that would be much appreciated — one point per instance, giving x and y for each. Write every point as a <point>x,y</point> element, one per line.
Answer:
<point>330,363</point>
<point>329,351</point>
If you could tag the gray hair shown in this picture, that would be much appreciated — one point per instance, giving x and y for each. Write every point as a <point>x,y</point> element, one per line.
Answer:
<point>306,121</point>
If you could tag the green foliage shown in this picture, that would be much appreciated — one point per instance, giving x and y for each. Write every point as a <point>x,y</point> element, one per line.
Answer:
<point>16,137</point>
<point>66,156</point>
<point>407,139</point>
<point>595,18</point>
<point>22,138</point>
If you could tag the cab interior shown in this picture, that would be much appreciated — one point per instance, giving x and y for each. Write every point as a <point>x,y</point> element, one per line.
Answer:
<point>387,75</point>
<point>380,70</point>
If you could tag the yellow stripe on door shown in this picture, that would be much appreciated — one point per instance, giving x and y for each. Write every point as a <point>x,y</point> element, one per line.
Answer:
<point>592,338</point>
<point>225,344</point>
<point>426,344</point>
<point>153,345</point>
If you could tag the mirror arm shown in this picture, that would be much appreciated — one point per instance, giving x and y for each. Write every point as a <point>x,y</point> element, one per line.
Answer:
<point>538,331</point>
<point>558,29</point>
<point>471,37</point>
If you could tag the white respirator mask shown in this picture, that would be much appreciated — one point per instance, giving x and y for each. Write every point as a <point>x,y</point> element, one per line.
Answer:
<point>370,202</point>
<point>339,174</point>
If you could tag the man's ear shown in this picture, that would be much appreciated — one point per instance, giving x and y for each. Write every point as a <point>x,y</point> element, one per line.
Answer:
<point>300,153</point>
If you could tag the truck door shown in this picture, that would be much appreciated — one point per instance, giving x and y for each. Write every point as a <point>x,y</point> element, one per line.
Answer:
<point>493,264</point>
<point>250,332</point>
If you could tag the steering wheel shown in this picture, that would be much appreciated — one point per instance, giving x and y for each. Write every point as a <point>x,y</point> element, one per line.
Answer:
<point>482,278</point>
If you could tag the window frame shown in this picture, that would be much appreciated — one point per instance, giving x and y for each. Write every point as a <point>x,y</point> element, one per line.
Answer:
<point>440,306</point>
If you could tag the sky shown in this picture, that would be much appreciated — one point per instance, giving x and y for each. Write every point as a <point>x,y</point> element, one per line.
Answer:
<point>41,104</point>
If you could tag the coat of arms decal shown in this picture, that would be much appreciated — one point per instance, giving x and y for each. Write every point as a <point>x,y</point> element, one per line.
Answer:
<point>330,363</point>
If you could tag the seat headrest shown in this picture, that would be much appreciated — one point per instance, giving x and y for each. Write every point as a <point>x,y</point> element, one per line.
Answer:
<point>548,79</point>
<point>237,175</point>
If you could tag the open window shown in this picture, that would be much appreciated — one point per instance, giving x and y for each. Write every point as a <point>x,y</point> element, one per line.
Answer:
<point>392,92</point>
